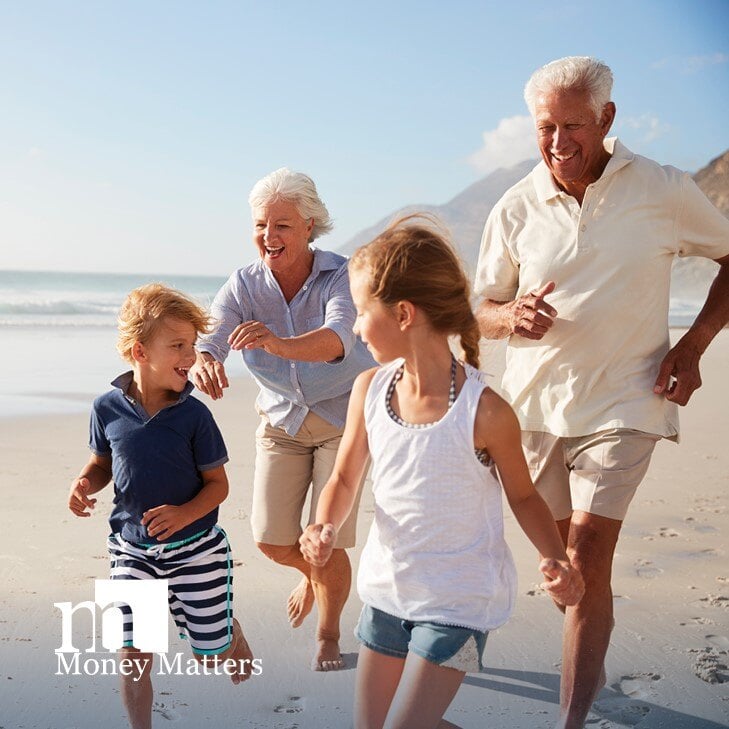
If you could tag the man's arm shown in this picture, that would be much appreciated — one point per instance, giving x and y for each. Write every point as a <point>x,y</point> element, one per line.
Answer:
<point>682,361</point>
<point>529,316</point>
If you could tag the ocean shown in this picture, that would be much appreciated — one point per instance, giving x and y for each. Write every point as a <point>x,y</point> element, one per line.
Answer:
<point>58,334</point>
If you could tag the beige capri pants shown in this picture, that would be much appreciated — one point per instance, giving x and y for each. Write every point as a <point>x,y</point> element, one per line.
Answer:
<point>286,466</point>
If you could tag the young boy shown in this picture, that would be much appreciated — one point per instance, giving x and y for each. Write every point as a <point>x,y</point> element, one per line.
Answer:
<point>165,454</point>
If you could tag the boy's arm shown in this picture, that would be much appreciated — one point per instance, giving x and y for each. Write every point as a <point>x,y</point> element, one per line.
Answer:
<point>497,429</point>
<point>340,491</point>
<point>163,521</point>
<point>93,477</point>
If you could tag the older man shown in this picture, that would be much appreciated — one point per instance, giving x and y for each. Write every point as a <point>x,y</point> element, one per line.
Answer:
<point>575,269</point>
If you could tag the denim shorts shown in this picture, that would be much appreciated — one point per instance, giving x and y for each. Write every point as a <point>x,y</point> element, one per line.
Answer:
<point>445,645</point>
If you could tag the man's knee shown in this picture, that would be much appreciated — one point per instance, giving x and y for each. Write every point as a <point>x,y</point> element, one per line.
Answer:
<point>592,541</point>
<point>282,554</point>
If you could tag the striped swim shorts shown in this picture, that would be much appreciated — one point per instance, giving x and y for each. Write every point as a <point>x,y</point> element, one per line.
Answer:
<point>200,575</point>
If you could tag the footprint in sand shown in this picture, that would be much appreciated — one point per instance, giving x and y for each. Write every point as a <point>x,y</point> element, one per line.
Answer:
<point>717,601</point>
<point>718,641</point>
<point>622,711</point>
<point>662,532</point>
<point>165,711</point>
<point>710,667</point>
<point>295,705</point>
<point>646,570</point>
<point>698,621</point>
<point>638,685</point>
<point>701,554</point>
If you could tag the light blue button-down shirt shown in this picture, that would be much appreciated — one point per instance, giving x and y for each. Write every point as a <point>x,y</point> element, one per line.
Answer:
<point>290,388</point>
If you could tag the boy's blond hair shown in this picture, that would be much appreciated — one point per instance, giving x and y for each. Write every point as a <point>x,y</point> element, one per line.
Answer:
<point>146,306</point>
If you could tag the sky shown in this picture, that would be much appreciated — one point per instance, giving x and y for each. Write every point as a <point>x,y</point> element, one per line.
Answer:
<point>132,132</point>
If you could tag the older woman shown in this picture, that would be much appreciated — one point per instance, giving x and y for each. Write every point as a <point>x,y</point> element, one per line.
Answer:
<point>290,314</point>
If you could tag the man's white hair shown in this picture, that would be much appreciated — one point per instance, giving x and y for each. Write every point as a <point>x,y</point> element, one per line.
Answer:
<point>296,188</point>
<point>572,73</point>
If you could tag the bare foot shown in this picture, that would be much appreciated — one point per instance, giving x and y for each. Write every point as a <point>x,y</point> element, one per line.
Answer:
<point>300,602</point>
<point>328,657</point>
<point>241,652</point>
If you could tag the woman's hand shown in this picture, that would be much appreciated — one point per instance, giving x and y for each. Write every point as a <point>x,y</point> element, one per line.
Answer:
<point>564,583</point>
<point>254,335</point>
<point>208,375</point>
<point>317,543</point>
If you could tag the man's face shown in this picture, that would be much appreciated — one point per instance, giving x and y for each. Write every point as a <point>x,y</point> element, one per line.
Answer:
<point>571,139</point>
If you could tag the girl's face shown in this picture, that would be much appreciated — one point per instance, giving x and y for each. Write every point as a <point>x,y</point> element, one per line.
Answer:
<point>376,323</point>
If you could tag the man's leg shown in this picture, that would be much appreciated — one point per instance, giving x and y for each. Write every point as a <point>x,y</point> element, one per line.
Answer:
<point>587,625</point>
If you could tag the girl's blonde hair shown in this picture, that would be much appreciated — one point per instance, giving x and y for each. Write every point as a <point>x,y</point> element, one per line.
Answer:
<point>413,261</point>
<point>146,306</point>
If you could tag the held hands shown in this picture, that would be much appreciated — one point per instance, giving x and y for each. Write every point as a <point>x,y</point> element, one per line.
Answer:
<point>530,316</point>
<point>317,543</point>
<point>78,500</point>
<point>564,583</point>
<point>163,521</point>
<point>208,375</point>
<point>678,375</point>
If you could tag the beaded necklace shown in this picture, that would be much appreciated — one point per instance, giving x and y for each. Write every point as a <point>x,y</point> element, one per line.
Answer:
<point>481,453</point>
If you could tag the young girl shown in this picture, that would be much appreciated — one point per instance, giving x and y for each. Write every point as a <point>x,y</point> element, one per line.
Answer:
<point>435,575</point>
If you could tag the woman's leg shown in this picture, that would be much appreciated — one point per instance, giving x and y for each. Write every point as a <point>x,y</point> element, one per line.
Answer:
<point>376,682</point>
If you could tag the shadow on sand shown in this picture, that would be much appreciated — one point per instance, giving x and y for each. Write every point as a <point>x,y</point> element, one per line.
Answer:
<point>612,705</point>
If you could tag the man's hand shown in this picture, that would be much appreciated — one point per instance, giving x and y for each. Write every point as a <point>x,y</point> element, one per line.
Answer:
<point>208,375</point>
<point>78,500</point>
<point>530,316</point>
<point>564,583</point>
<point>317,543</point>
<point>678,375</point>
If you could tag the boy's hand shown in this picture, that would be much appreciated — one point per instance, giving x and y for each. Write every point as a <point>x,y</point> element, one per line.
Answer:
<point>78,499</point>
<point>564,583</point>
<point>317,543</point>
<point>163,521</point>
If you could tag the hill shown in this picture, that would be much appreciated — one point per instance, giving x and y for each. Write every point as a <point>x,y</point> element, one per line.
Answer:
<point>466,214</point>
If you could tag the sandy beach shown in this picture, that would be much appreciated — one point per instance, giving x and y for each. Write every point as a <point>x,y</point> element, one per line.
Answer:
<point>667,665</point>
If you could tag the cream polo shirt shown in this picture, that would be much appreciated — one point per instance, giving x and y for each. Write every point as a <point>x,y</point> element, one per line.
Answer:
<point>611,262</point>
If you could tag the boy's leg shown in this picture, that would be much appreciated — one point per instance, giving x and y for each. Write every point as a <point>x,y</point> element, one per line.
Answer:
<point>136,690</point>
<point>423,695</point>
<point>375,685</point>
<point>238,652</point>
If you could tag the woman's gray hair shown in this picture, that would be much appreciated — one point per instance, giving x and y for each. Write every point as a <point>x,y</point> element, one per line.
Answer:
<point>296,188</point>
<point>573,72</point>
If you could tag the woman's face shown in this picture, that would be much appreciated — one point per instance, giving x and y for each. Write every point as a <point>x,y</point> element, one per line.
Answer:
<point>282,237</point>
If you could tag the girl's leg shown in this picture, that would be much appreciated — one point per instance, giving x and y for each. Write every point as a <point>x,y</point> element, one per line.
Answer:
<point>137,694</point>
<point>423,695</point>
<point>376,682</point>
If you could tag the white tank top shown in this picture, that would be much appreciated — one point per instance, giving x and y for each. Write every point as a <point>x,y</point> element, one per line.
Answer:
<point>436,549</point>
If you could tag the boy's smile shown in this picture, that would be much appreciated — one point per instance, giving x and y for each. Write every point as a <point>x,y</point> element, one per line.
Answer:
<point>164,361</point>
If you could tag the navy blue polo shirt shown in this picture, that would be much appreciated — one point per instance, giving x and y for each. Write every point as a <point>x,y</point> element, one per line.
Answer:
<point>154,461</point>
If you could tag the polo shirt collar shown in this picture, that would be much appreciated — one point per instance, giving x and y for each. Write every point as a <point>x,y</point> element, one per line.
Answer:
<point>547,189</point>
<point>124,382</point>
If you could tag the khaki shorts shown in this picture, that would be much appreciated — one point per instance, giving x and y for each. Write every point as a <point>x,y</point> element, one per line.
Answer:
<point>286,466</point>
<point>596,473</point>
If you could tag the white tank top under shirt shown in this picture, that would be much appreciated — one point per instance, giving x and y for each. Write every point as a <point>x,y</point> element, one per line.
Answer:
<point>436,549</point>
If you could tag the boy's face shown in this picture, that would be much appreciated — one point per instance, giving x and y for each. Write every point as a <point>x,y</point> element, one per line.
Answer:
<point>165,359</point>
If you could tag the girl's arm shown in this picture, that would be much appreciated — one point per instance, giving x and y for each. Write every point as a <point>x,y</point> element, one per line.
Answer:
<point>340,491</point>
<point>497,430</point>
<point>163,521</point>
<point>93,477</point>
